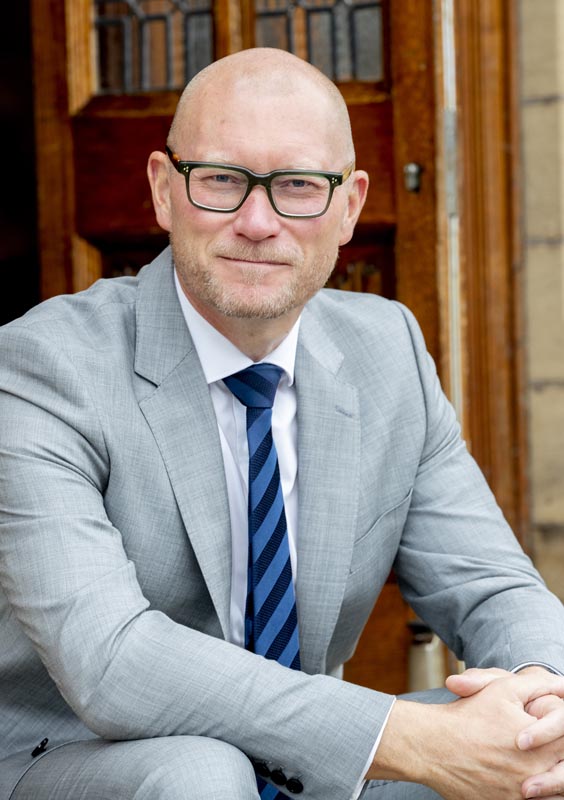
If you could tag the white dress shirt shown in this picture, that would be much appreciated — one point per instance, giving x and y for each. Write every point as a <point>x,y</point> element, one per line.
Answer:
<point>220,358</point>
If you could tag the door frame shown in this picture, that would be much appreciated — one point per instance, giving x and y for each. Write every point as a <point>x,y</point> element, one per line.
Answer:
<point>490,315</point>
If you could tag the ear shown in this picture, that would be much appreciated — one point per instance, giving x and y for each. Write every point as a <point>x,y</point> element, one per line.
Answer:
<point>355,201</point>
<point>158,173</point>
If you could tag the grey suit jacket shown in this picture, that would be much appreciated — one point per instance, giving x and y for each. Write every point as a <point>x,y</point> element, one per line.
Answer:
<point>115,533</point>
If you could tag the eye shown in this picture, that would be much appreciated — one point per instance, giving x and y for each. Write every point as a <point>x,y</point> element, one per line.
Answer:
<point>295,183</point>
<point>299,184</point>
<point>216,179</point>
<point>223,177</point>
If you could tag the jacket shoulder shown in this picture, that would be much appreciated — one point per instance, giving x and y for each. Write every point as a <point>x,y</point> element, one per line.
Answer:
<point>366,314</point>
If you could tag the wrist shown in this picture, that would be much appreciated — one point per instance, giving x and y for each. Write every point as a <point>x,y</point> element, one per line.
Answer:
<point>407,750</point>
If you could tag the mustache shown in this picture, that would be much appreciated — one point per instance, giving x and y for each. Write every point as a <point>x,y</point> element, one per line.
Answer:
<point>259,252</point>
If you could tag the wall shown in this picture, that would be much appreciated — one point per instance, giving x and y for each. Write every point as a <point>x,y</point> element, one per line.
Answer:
<point>542,115</point>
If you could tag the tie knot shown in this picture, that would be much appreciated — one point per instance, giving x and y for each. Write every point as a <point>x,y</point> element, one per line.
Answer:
<point>255,386</point>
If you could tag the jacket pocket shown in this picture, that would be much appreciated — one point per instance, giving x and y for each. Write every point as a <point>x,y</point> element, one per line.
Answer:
<point>381,540</point>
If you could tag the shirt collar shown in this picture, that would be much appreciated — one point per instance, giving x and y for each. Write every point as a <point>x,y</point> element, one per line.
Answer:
<point>219,357</point>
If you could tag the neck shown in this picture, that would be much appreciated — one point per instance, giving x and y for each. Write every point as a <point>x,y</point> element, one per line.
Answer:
<point>253,336</point>
<point>256,338</point>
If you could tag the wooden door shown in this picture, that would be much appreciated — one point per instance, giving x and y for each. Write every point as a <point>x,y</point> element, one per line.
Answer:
<point>99,114</point>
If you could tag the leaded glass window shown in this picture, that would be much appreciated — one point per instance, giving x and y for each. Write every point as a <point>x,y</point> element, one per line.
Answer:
<point>343,38</point>
<point>147,45</point>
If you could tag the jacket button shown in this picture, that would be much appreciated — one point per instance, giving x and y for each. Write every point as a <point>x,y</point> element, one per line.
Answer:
<point>261,768</point>
<point>278,777</point>
<point>295,786</point>
<point>41,747</point>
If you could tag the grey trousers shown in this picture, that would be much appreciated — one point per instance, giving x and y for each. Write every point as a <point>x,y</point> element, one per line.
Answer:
<point>170,768</point>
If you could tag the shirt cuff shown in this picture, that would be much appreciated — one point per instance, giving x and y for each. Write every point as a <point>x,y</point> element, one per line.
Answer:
<point>362,782</point>
<point>526,664</point>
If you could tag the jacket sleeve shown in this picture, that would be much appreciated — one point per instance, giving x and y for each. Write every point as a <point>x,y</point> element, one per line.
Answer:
<point>459,564</point>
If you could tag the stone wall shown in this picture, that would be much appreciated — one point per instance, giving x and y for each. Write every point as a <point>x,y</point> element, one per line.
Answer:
<point>542,118</point>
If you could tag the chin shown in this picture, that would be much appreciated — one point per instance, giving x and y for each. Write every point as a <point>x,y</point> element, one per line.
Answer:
<point>257,304</point>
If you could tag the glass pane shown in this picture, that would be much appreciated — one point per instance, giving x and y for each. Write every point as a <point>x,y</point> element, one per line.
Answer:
<point>147,45</point>
<point>343,38</point>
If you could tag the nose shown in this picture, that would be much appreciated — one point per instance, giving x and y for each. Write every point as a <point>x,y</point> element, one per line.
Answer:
<point>256,219</point>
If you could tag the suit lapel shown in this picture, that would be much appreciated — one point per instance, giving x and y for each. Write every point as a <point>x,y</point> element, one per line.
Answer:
<point>181,416</point>
<point>328,475</point>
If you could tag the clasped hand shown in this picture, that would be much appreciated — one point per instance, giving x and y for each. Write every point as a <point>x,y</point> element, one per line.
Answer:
<point>503,738</point>
<point>541,699</point>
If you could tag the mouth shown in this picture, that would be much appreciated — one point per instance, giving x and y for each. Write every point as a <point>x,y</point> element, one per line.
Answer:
<point>256,262</point>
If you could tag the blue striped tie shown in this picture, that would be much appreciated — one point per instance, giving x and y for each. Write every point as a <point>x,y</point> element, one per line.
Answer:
<point>271,623</point>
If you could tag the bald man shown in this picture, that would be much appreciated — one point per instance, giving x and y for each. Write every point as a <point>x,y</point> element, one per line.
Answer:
<point>132,623</point>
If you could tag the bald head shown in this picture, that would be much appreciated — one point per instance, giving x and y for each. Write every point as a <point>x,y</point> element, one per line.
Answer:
<point>265,73</point>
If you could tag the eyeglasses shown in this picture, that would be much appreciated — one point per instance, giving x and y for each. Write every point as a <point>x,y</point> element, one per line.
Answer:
<point>224,188</point>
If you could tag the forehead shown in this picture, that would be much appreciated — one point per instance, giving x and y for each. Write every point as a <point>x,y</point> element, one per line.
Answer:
<point>260,126</point>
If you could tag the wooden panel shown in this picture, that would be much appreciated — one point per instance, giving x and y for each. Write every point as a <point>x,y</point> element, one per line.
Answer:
<point>229,33</point>
<point>366,264</point>
<point>380,661</point>
<point>494,396</point>
<point>373,136</point>
<point>113,198</point>
<point>413,77</point>
<point>116,135</point>
<point>55,169</point>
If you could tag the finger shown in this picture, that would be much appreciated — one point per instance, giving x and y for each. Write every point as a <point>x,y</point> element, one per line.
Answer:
<point>543,705</point>
<point>528,688</point>
<point>548,784</point>
<point>474,680</point>
<point>547,729</point>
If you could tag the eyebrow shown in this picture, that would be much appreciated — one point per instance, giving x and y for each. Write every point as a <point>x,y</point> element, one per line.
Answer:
<point>214,159</point>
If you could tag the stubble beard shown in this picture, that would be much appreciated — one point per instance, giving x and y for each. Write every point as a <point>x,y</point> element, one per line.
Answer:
<point>253,302</point>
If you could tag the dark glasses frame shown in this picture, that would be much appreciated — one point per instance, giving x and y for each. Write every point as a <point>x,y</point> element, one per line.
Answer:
<point>258,179</point>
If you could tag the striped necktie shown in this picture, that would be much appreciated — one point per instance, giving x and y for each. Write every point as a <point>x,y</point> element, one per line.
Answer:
<point>271,623</point>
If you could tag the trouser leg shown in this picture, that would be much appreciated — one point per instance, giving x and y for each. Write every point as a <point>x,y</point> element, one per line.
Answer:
<point>168,768</point>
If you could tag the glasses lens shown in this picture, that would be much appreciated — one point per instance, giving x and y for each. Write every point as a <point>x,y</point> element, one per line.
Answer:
<point>302,195</point>
<point>215,187</point>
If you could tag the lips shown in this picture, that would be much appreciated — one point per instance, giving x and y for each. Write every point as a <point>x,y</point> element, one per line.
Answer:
<point>257,262</point>
<point>259,256</point>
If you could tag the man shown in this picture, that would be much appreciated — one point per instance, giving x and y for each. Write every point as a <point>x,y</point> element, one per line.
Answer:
<point>132,625</point>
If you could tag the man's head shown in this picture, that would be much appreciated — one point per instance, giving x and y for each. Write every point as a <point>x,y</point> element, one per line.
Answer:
<point>263,110</point>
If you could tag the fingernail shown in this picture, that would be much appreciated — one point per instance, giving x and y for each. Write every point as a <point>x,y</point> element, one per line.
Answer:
<point>533,791</point>
<point>524,741</point>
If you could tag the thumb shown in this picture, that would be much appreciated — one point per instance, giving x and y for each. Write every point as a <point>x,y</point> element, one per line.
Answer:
<point>473,680</point>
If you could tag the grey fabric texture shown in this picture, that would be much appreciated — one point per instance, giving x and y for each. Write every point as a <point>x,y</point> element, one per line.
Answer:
<point>171,768</point>
<point>115,543</point>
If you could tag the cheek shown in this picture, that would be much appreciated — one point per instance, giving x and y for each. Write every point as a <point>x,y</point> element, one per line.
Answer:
<point>194,227</point>
<point>326,239</point>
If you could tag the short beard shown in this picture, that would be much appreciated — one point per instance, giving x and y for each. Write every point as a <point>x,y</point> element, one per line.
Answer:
<point>255,304</point>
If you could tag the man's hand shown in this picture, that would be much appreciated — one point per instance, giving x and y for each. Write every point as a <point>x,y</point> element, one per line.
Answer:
<point>468,748</point>
<point>548,711</point>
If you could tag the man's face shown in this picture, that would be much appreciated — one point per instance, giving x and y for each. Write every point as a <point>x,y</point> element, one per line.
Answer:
<point>253,263</point>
